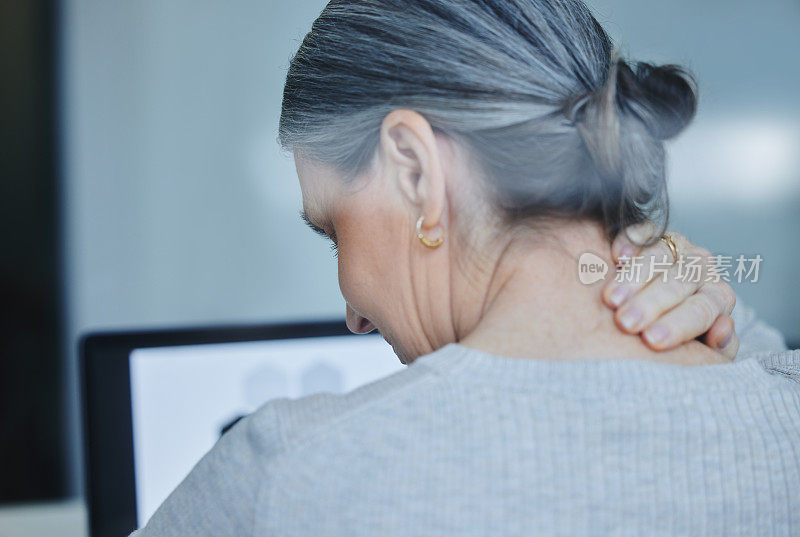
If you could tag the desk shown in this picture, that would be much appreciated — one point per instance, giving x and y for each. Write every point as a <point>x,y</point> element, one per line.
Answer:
<point>65,518</point>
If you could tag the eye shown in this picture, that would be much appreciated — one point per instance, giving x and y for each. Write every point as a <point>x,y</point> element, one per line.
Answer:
<point>334,244</point>
<point>320,231</point>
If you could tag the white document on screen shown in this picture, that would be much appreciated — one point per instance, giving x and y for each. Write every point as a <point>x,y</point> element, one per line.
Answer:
<point>183,397</point>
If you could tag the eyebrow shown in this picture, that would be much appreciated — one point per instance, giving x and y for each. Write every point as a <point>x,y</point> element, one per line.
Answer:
<point>314,227</point>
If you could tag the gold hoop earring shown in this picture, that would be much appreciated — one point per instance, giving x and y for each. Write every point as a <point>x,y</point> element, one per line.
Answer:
<point>429,243</point>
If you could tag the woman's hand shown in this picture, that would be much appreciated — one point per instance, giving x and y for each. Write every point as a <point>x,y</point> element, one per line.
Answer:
<point>668,313</point>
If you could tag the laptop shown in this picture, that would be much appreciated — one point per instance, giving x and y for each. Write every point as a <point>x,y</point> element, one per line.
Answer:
<point>154,402</point>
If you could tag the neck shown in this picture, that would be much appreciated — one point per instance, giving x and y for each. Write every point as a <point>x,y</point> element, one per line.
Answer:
<point>534,305</point>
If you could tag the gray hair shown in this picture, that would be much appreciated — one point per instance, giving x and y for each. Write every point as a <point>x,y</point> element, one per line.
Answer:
<point>560,125</point>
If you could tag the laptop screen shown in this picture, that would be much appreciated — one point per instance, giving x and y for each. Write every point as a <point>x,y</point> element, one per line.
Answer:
<point>184,397</point>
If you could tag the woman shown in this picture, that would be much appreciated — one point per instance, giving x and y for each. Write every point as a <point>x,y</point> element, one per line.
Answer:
<point>462,156</point>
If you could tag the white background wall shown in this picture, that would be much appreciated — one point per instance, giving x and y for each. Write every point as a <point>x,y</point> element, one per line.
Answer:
<point>181,210</point>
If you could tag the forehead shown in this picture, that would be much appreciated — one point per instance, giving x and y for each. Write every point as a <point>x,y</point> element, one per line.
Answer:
<point>318,184</point>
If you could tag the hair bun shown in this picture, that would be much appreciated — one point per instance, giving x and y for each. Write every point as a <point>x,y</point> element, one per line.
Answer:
<point>663,97</point>
<point>623,124</point>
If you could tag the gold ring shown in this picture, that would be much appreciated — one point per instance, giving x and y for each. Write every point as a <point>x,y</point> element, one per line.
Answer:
<point>673,248</point>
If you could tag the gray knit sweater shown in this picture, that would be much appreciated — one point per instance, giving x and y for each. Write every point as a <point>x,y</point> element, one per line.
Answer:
<point>463,443</point>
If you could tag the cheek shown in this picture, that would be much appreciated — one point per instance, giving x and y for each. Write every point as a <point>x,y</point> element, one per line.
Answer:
<point>368,263</point>
<point>347,268</point>
<point>358,274</point>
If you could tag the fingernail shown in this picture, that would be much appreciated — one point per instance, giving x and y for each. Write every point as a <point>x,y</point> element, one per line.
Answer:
<point>630,317</point>
<point>626,251</point>
<point>724,343</point>
<point>619,295</point>
<point>657,333</point>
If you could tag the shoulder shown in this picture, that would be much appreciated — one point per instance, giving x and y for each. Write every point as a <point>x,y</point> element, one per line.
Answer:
<point>291,422</point>
<point>217,497</point>
<point>755,336</point>
<point>785,364</point>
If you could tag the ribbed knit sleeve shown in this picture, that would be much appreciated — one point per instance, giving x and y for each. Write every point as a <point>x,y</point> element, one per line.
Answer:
<point>755,335</point>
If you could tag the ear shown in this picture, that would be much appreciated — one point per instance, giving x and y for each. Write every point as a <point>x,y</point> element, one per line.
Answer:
<point>414,161</point>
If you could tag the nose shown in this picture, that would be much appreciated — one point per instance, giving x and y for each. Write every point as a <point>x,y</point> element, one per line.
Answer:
<point>358,324</point>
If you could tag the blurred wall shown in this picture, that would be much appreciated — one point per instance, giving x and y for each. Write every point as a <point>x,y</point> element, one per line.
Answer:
<point>180,209</point>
